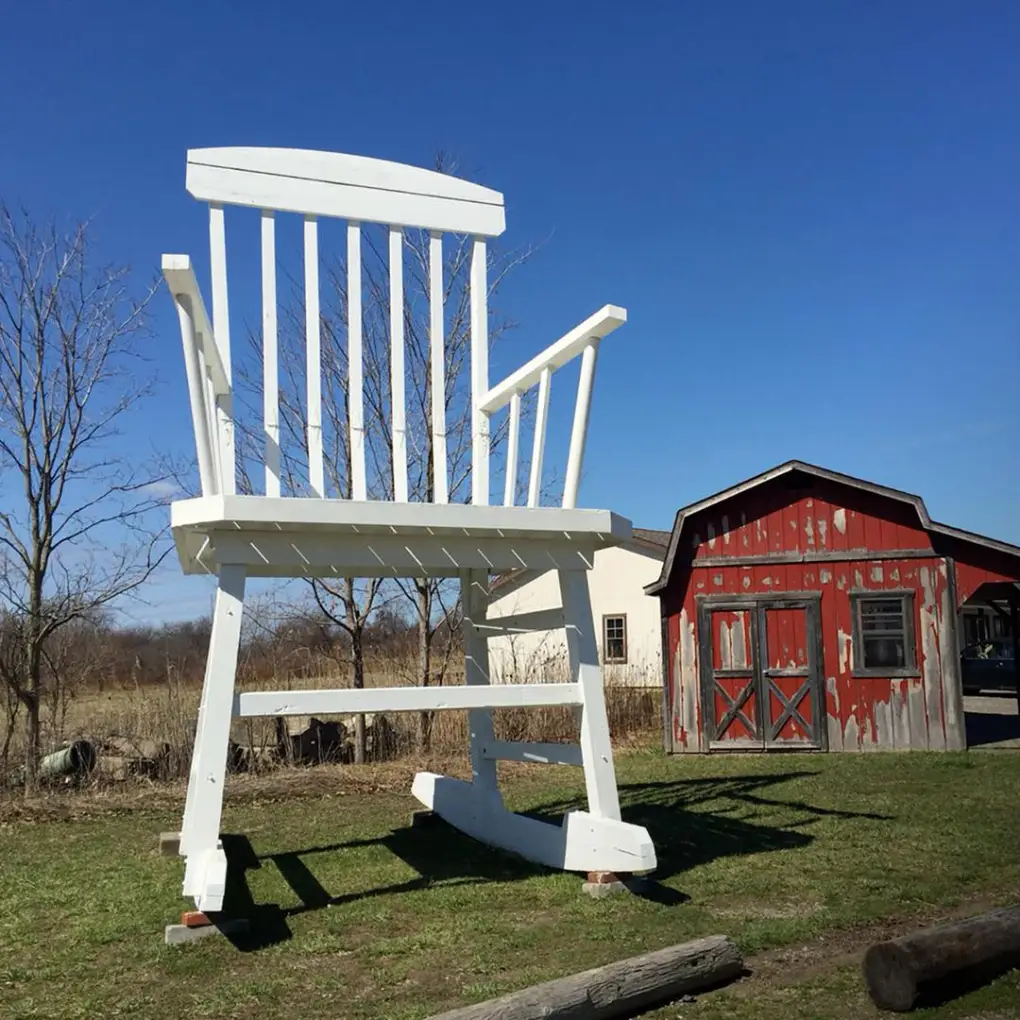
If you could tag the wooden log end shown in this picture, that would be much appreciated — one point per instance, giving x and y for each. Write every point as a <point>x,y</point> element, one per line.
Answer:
<point>889,977</point>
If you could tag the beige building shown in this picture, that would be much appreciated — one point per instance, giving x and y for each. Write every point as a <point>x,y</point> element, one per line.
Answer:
<point>630,628</point>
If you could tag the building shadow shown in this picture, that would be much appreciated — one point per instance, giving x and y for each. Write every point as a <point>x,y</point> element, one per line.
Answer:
<point>986,729</point>
<point>691,822</point>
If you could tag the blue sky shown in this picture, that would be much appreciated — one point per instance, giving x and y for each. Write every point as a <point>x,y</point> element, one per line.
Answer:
<point>810,210</point>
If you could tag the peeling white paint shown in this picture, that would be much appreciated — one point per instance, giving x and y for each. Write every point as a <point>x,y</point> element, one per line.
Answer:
<point>823,527</point>
<point>843,643</point>
<point>858,579</point>
<point>809,531</point>
<point>877,573</point>
<point>841,583</point>
<point>710,527</point>
<point>746,580</point>
<point>767,582</point>
<point>726,530</point>
<point>895,573</point>
<point>689,688</point>
<point>717,580</point>
<point>839,520</point>
<point>758,533</point>
<point>851,735</point>
<point>739,643</point>
<point>825,575</point>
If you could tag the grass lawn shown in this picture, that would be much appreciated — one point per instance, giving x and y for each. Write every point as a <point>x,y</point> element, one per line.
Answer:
<point>357,915</point>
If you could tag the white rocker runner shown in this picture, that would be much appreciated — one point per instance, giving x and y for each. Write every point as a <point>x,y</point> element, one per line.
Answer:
<point>238,536</point>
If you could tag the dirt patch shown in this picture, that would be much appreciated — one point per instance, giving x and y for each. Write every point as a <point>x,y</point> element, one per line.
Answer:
<point>791,965</point>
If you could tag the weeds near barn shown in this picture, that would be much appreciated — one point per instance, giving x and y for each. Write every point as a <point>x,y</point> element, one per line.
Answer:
<point>358,915</point>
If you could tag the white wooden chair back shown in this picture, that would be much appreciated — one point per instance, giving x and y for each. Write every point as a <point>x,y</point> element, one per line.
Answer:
<point>361,190</point>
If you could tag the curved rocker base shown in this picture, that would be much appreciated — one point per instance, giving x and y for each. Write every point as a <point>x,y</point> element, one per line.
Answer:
<point>205,879</point>
<point>581,843</point>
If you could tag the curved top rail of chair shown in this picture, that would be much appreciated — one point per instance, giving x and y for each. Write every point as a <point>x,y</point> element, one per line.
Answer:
<point>355,188</point>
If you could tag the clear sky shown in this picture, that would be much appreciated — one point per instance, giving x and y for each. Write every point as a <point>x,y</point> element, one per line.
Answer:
<point>811,210</point>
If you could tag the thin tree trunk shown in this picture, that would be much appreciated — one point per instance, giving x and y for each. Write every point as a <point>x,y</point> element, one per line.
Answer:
<point>358,677</point>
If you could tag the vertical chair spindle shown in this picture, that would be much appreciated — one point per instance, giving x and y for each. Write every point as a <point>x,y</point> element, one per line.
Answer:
<point>479,375</point>
<point>513,441</point>
<point>355,367</point>
<point>437,352</point>
<point>398,406</point>
<point>270,363</point>
<point>538,446</point>
<point>313,369</point>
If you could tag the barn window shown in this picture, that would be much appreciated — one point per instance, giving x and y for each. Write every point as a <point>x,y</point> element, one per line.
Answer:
<point>614,638</point>
<point>883,637</point>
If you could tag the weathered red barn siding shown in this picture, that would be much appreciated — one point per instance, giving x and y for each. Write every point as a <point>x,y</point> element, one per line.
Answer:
<point>831,540</point>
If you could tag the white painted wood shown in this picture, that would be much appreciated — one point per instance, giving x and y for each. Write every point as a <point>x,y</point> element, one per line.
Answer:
<point>579,430</point>
<point>398,400</point>
<point>596,326</point>
<point>270,356</point>
<point>205,879</point>
<point>346,186</point>
<point>251,704</point>
<point>524,623</point>
<point>273,554</point>
<point>201,824</point>
<point>599,774</point>
<point>181,282</point>
<point>584,842</point>
<point>240,512</point>
<point>475,599</point>
<point>197,393</point>
<point>437,356</point>
<point>355,364</point>
<point>512,445</point>
<point>538,443</point>
<point>313,354</point>
<point>221,334</point>
<point>479,375</point>
<point>533,752</point>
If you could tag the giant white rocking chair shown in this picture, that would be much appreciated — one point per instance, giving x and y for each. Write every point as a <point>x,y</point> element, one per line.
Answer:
<point>238,536</point>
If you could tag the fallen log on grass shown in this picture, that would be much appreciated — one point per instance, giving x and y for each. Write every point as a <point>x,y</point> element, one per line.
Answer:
<point>618,989</point>
<point>937,962</point>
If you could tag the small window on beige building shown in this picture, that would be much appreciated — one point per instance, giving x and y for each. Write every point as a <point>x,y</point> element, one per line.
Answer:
<point>614,639</point>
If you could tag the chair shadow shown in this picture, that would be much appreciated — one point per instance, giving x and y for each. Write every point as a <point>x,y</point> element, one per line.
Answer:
<point>984,728</point>
<point>441,855</point>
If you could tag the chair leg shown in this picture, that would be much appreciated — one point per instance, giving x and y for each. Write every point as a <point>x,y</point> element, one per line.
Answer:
<point>475,598</point>
<point>582,648</point>
<point>205,873</point>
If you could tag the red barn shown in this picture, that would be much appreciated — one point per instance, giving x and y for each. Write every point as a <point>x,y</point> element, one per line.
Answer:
<point>805,609</point>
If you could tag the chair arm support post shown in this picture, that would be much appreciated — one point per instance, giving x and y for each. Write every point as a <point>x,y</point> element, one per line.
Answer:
<point>579,430</point>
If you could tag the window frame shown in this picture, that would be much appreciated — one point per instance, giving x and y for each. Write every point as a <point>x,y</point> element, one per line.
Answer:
<point>907,598</point>
<point>606,660</point>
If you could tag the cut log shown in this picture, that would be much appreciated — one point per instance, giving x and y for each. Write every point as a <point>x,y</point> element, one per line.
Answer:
<point>618,989</point>
<point>935,963</point>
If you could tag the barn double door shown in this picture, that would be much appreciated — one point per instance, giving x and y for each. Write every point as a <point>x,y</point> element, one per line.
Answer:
<point>761,673</point>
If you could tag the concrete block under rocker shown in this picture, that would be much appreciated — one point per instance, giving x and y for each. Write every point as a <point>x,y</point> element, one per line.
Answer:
<point>169,844</point>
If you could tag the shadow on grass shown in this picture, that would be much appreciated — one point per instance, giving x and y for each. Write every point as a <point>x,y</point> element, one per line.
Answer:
<point>985,729</point>
<point>691,822</point>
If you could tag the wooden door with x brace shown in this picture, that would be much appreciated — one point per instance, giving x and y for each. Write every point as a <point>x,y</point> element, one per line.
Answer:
<point>761,672</point>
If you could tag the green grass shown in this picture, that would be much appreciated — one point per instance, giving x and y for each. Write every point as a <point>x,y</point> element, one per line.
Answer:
<point>358,915</point>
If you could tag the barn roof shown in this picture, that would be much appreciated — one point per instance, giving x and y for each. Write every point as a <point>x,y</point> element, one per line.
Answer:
<point>791,467</point>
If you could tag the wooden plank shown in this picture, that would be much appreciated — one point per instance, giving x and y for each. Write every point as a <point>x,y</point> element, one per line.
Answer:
<point>479,375</point>
<point>398,403</point>
<point>313,353</point>
<point>597,326</point>
<point>512,450</point>
<point>437,355</point>
<point>346,186</point>
<point>538,443</point>
<point>224,433</point>
<point>181,281</point>
<point>252,704</point>
<point>272,554</point>
<point>623,988</point>
<point>355,364</point>
<point>582,649</point>
<point>901,973</point>
<point>270,356</point>
<point>536,753</point>
<point>579,430</point>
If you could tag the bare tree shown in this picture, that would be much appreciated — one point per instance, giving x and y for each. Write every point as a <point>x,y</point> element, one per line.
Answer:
<point>76,532</point>
<point>350,602</point>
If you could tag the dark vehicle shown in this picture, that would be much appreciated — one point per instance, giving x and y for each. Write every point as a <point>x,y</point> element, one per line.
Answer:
<point>988,666</point>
